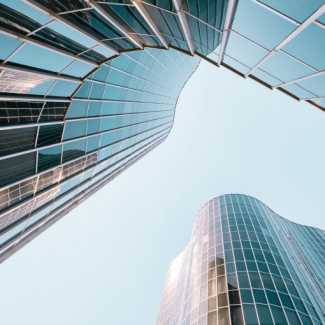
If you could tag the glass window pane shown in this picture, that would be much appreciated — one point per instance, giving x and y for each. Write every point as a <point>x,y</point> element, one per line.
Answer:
<point>285,68</point>
<point>104,51</point>
<point>108,108</point>
<point>267,281</point>
<point>17,140</point>
<point>221,284</point>
<point>255,280</point>
<point>97,91</point>
<point>28,11</point>
<point>111,93</point>
<point>305,319</point>
<point>309,46</point>
<point>222,299</point>
<point>298,10</point>
<point>8,45</point>
<point>291,287</point>
<point>88,174</point>
<point>259,296</point>
<point>223,316</point>
<point>250,315</point>
<point>236,315</point>
<point>264,315</point>
<point>48,158</point>
<point>244,51</point>
<point>41,58</point>
<point>63,89</point>
<point>212,318</point>
<point>264,28</point>
<point>78,69</point>
<point>246,296</point>
<point>106,139</point>
<point>93,143</point>
<point>69,185</point>
<point>74,149</point>
<point>232,281</point>
<point>74,129</point>
<point>16,168</point>
<point>286,302</point>
<point>93,126</point>
<point>94,109</point>
<point>316,85</point>
<point>272,297</point>
<point>292,317</point>
<point>212,288</point>
<point>278,316</point>
<point>243,280</point>
<point>102,73</point>
<point>84,91</point>
<point>234,297</point>
<point>105,154</point>
<point>49,134</point>
<point>77,109</point>
<point>279,283</point>
<point>42,88</point>
<point>70,33</point>
<point>107,124</point>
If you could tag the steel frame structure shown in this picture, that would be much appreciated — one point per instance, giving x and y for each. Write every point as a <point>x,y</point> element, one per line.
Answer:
<point>151,21</point>
<point>298,30</point>
<point>51,48</point>
<point>185,25</point>
<point>67,23</point>
<point>114,22</point>
<point>227,25</point>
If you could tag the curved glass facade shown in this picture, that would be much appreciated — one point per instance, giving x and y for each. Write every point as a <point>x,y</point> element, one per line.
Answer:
<point>61,150</point>
<point>244,264</point>
<point>88,87</point>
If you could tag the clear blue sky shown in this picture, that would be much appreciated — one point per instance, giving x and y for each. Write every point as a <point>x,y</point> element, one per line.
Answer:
<point>106,262</point>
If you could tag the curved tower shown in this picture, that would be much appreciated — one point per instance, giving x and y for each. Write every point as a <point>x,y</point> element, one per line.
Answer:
<point>244,264</point>
<point>89,87</point>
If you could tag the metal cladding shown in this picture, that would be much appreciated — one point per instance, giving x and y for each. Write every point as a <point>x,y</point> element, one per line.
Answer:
<point>89,87</point>
<point>246,265</point>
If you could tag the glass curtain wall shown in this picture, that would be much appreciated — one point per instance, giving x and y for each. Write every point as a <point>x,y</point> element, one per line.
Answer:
<point>239,268</point>
<point>95,83</point>
<point>74,115</point>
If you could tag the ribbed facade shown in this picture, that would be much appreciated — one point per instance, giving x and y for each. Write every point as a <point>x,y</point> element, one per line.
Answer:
<point>244,264</point>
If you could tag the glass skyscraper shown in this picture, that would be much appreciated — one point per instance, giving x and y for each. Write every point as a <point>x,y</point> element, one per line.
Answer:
<point>89,87</point>
<point>244,264</point>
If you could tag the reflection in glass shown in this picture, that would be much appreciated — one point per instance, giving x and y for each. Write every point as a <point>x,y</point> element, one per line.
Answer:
<point>50,157</point>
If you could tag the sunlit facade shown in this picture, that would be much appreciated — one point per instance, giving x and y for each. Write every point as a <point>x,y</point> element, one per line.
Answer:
<point>89,87</point>
<point>244,264</point>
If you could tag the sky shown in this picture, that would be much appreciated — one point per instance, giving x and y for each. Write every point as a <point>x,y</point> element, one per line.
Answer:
<point>106,261</point>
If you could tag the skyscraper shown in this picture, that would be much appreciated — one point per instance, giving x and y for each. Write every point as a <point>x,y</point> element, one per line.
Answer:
<point>244,264</point>
<point>89,87</point>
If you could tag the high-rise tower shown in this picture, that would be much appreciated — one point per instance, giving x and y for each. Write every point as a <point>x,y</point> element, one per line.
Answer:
<point>89,87</point>
<point>244,264</point>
